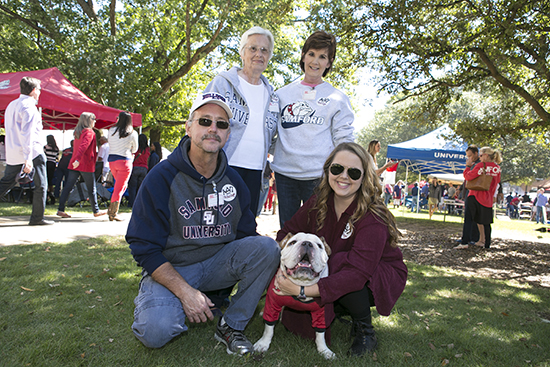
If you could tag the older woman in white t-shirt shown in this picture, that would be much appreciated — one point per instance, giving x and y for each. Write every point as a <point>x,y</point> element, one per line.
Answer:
<point>255,109</point>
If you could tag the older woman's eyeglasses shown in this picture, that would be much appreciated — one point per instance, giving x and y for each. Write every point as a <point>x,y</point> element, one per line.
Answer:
<point>353,173</point>
<point>255,49</point>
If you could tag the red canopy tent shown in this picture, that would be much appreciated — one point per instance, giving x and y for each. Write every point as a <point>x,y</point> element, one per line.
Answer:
<point>60,101</point>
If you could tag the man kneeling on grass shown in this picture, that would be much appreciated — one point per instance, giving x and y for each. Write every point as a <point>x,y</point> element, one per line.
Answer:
<point>192,231</point>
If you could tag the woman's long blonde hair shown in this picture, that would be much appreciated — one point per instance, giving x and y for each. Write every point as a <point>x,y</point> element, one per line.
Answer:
<point>494,155</point>
<point>368,197</point>
<point>85,121</point>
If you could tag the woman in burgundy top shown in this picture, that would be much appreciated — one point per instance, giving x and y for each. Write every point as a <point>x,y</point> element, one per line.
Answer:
<point>82,164</point>
<point>365,268</point>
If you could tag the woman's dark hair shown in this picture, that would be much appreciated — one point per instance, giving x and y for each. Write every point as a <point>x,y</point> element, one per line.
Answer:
<point>158,149</point>
<point>124,125</point>
<point>318,41</point>
<point>142,143</point>
<point>50,139</point>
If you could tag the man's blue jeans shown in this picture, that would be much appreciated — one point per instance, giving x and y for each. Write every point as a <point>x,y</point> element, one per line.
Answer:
<point>541,215</point>
<point>291,194</point>
<point>414,203</point>
<point>250,261</point>
<point>40,185</point>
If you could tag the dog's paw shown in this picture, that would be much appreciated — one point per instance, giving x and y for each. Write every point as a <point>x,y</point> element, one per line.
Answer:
<point>261,346</point>
<point>328,354</point>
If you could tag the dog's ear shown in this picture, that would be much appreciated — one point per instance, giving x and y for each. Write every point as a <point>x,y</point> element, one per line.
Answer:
<point>283,242</point>
<point>327,247</point>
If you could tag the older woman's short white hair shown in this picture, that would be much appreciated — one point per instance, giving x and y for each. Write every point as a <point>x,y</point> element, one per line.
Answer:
<point>257,30</point>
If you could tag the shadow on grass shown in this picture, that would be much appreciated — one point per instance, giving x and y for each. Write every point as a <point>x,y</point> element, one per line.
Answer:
<point>72,305</point>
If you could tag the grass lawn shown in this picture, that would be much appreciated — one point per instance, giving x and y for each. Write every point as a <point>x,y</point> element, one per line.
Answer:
<point>72,305</point>
<point>502,226</point>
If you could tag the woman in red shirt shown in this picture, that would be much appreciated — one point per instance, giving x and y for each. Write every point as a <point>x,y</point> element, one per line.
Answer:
<point>82,164</point>
<point>365,263</point>
<point>480,203</point>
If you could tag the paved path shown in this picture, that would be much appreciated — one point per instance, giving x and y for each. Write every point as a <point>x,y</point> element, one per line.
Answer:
<point>16,231</point>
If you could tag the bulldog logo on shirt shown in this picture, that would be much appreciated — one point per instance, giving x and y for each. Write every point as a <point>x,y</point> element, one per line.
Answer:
<point>296,114</point>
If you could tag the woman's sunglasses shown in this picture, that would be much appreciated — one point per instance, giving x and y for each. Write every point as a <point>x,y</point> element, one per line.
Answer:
<point>220,124</point>
<point>353,173</point>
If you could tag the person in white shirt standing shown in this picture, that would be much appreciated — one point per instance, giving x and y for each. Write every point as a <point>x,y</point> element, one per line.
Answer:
<point>254,106</point>
<point>103,156</point>
<point>24,148</point>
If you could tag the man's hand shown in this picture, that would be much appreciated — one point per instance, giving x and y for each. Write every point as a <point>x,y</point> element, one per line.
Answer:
<point>195,303</point>
<point>196,306</point>
<point>27,166</point>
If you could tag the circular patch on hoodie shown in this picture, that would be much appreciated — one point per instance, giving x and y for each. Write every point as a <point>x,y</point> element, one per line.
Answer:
<point>229,192</point>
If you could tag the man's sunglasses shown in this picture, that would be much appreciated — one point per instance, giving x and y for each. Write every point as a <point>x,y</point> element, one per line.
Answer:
<point>353,173</point>
<point>220,124</point>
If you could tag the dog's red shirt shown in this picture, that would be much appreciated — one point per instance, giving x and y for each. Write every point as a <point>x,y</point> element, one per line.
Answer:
<point>274,304</point>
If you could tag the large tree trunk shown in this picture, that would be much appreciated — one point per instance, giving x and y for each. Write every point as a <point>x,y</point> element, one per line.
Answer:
<point>155,134</point>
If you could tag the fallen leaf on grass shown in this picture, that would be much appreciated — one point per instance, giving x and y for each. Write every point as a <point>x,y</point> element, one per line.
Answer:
<point>505,314</point>
<point>458,355</point>
<point>374,356</point>
<point>82,355</point>
<point>432,347</point>
<point>118,303</point>
<point>3,258</point>
<point>450,346</point>
<point>89,276</point>
<point>92,345</point>
<point>47,249</point>
<point>27,289</point>
<point>444,362</point>
<point>111,340</point>
<point>89,292</point>
<point>407,354</point>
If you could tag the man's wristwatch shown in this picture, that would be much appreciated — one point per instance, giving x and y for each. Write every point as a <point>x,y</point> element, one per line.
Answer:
<point>302,294</point>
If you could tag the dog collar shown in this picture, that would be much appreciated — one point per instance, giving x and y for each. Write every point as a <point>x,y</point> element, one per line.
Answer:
<point>302,294</point>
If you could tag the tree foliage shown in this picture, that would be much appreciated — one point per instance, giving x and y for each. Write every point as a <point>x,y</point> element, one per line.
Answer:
<point>147,57</point>
<point>438,49</point>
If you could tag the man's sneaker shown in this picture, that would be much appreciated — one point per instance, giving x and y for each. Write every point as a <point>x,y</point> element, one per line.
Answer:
<point>234,340</point>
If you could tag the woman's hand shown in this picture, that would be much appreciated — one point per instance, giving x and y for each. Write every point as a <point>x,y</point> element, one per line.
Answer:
<point>284,286</point>
<point>76,164</point>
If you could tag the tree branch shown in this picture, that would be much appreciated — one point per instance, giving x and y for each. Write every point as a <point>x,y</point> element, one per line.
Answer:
<point>28,22</point>
<point>539,109</point>
<point>88,8</point>
<point>112,17</point>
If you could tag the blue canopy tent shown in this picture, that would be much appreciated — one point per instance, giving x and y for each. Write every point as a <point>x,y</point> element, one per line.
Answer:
<point>431,154</point>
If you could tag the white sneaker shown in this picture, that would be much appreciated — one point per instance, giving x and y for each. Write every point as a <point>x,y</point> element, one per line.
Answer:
<point>460,247</point>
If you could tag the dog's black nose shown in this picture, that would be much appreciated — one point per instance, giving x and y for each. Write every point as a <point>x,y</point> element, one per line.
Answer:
<point>307,244</point>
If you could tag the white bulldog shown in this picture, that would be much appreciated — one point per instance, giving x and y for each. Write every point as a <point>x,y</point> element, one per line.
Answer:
<point>304,261</point>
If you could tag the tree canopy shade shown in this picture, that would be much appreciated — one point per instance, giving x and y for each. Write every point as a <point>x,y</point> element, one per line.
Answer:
<point>61,103</point>
<point>438,49</point>
<point>142,56</point>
